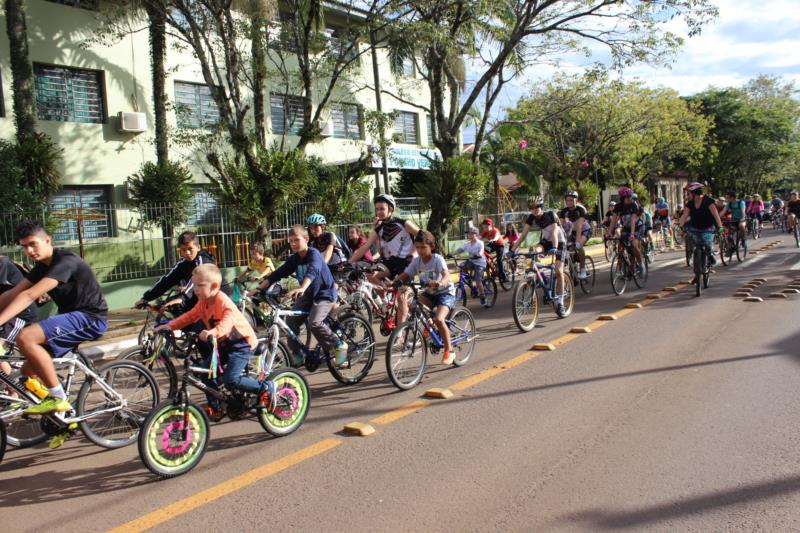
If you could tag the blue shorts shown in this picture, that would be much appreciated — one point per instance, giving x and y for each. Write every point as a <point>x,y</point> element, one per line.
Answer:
<point>477,270</point>
<point>65,332</point>
<point>444,298</point>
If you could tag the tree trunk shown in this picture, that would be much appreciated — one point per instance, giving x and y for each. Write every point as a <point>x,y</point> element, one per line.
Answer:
<point>21,70</point>
<point>437,224</point>
<point>158,49</point>
<point>259,74</point>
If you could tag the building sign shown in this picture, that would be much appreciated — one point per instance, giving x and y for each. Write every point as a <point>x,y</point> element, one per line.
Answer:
<point>408,158</point>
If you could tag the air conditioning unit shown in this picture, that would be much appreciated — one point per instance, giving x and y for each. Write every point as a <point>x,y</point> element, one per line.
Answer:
<point>132,122</point>
<point>327,129</point>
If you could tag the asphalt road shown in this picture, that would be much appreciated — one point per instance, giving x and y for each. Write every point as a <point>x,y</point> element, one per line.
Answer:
<point>678,416</point>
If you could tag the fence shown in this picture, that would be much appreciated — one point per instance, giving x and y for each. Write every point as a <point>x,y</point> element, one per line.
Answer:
<point>118,245</point>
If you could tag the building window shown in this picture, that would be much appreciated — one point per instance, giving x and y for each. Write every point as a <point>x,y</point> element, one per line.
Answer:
<point>409,70</point>
<point>406,128</point>
<point>194,106</point>
<point>346,121</point>
<point>429,125</point>
<point>287,114</point>
<point>69,94</point>
<point>280,34</point>
<point>88,206</point>
<point>204,208</point>
<point>85,4</point>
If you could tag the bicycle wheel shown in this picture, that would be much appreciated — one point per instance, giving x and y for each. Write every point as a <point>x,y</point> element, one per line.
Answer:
<point>650,252</point>
<point>510,266</point>
<point>609,249</point>
<point>462,334</point>
<point>640,275</point>
<point>138,393</point>
<point>356,303</point>
<point>587,284</point>
<point>357,333</point>
<point>490,291</point>
<point>796,232</point>
<point>509,282</point>
<point>741,249</point>
<point>569,298</point>
<point>689,254</point>
<point>698,268</point>
<point>2,439</point>
<point>291,403</point>
<point>525,305</point>
<point>461,294</point>
<point>725,251</point>
<point>20,432</point>
<point>677,235</point>
<point>173,438</point>
<point>160,366</point>
<point>619,275</point>
<point>406,354</point>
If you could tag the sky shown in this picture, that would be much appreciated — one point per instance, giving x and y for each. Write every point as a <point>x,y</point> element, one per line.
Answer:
<point>749,37</point>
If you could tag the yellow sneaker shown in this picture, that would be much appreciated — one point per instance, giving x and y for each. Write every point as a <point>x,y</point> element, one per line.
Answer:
<point>49,405</point>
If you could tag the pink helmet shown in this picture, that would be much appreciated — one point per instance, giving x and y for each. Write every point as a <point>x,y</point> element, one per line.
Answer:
<point>694,187</point>
<point>625,191</point>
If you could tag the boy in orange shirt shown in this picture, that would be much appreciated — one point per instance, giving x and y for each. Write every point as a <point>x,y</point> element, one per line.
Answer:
<point>236,340</point>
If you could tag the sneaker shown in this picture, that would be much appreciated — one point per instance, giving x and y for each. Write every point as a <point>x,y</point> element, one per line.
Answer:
<point>561,309</point>
<point>340,353</point>
<point>398,341</point>
<point>583,274</point>
<point>215,415</point>
<point>267,396</point>
<point>448,358</point>
<point>62,437</point>
<point>49,405</point>
<point>483,301</point>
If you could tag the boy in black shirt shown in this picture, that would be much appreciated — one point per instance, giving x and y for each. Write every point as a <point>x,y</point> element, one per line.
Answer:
<point>83,312</point>
<point>10,276</point>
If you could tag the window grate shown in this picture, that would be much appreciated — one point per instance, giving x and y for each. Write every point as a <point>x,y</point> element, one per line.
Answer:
<point>69,95</point>
<point>195,106</point>
<point>346,121</point>
<point>405,127</point>
<point>91,205</point>
<point>287,114</point>
<point>429,124</point>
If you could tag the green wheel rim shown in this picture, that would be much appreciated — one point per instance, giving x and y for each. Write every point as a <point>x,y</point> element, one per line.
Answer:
<point>170,462</point>
<point>298,387</point>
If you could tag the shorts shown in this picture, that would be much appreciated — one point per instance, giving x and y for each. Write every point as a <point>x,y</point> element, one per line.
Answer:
<point>586,232</point>
<point>758,215</point>
<point>638,234</point>
<point>664,221</point>
<point>477,270</point>
<point>396,265</point>
<point>11,329</point>
<point>442,298</point>
<point>706,236</point>
<point>561,252</point>
<point>65,332</point>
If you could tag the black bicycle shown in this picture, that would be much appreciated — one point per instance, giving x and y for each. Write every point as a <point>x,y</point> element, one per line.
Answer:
<point>625,267</point>
<point>701,261</point>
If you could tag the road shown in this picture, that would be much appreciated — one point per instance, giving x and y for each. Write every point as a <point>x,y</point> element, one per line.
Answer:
<point>681,415</point>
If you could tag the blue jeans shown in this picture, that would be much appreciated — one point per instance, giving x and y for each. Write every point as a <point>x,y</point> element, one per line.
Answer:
<point>233,377</point>
<point>705,237</point>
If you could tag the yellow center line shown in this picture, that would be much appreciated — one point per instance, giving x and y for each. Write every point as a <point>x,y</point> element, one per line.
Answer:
<point>216,492</point>
<point>400,412</point>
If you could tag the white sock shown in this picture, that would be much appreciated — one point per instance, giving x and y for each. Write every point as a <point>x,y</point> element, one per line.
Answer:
<point>57,392</point>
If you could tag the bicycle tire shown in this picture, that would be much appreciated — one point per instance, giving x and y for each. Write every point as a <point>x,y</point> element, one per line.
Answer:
<point>640,280</point>
<point>796,232</point>
<point>490,291</point>
<point>741,249</point>
<point>698,268</point>
<point>132,416</point>
<point>461,294</point>
<point>22,432</point>
<point>508,284</point>
<point>168,458</point>
<point>587,284</point>
<point>161,367</point>
<point>510,267</point>
<point>461,323</point>
<point>619,279</point>
<point>609,249</point>
<point>724,246</point>
<point>525,305</point>
<point>360,350</point>
<point>291,404</point>
<point>413,348</point>
<point>3,438</point>
<point>689,255</point>
<point>355,303</point>
<point>569,299</point>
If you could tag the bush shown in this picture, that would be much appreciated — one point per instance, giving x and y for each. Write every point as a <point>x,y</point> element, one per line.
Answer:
<point>18,201</point>
<point>39,158</point>
<point>161,193</point>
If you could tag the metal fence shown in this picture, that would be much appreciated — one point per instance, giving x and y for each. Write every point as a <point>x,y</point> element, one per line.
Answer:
<point>119,245</point>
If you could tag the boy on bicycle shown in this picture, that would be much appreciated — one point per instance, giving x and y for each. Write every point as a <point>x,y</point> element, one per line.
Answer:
<point>10,277</point>
<point>259,266</point>
<point>476,262</point>
<point>316,295</point>
<point>439,292</point>
<point>222,320</point>
<point>82,311</point>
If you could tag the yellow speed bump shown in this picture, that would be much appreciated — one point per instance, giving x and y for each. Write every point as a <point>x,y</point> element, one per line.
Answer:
<point>633,306</point>
<point>670,289</point>
<point>753,299</point>
<point>778,295</point>
<point>359,428</point>
<point>607,317</point>
<point>544,347</point>
<point>438,393</point>
<point>580,330</point>
<point>654,296</point>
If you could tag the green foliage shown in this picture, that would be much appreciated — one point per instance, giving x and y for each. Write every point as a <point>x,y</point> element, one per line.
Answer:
<point>18,202</point>
<point>588,193</point>
<point>40,158</point>
<point>161,193</point>
<point>339,189</point>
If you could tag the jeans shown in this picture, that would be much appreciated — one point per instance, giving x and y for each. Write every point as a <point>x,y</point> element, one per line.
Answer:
<point>500,251</point>
<point>232,376</point>
<point>317,312</point>
<point>705,237</point>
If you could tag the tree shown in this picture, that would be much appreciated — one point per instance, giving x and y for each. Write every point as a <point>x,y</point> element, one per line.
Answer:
<point>21,70</point>
<point>162,193</point>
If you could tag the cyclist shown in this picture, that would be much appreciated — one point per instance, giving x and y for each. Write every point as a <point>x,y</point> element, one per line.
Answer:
<point>260,265</point>
<point>356,239</point>
<point>326,242</point>
<point>579,230</point>
<point>439,291</point>
<point>394,237</point>
<point>735,208</point>
<point>777,210</point>
<point>476,262</point>
<point>496,242</point>
<point>10,277</point>
<point>511,235</point>
<point>552,240</point>
<point>82,311</point>
<point>755,212</point>
<point>704,218</point>
<point>792,211</point>
<point>648,226</point>
<point>661,216</point>
<point>222,320</point>
<point>630,214</point>
<point>315,296</point>
<point>192,255</point>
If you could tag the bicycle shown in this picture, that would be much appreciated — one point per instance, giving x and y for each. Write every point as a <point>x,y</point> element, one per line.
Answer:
<point>572,266</point>
<point>175,434</point>
<point>157,313</point>
<point>624,267</point>
<point>700,262</point>
<point>730,243</point>
<point>492,272</point>
<point>406,360</point>
<point>754,226</point>
<point>662,233</point>
<point>525,298</point>
<point>363,295</point>
<point>111,405</point>
<point>466,284</point>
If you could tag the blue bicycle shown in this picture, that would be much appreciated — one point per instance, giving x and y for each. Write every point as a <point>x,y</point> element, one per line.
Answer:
<point>540,277</point>
<point>466,285</point>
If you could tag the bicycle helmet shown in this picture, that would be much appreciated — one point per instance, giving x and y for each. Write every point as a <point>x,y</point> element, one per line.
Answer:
<point>571,194</point>
<point>612,204</point>
<point>694,187</point>
<point>625,191</point>
<point>387,199</point>
<point>316,219</point>
<point>661,199</point>
<point>535,201</point>
<point>680,206</point>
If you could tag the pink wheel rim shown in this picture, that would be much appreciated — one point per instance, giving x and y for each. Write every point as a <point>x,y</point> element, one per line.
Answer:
<point>165,440</point>
<point>286,411</point>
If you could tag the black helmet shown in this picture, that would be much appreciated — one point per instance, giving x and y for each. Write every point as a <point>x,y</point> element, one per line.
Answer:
<point>387,199</point>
